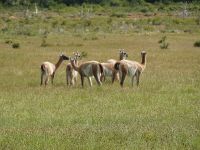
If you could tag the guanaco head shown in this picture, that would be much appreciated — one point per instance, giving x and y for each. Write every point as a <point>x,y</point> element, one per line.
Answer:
<point>122,54</point>
<point>63,57</point>
<point>143,53</point>
<point>77,55</point>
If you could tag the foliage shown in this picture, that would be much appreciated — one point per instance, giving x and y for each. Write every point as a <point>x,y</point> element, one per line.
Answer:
<point>48,3</point>
<point>15,45</point>
<point>197,44</point>
<point>44,42</point>
<point>8,41</point>
<point>44,39</point>
<point>163,43</point>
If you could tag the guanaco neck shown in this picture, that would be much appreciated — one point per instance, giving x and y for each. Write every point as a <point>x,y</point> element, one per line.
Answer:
<point>143,63</point>
<point>74,64</point>
<point>121,57</point>
<point>58,63</point>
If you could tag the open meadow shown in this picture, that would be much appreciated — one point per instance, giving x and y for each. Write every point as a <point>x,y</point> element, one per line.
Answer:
<point>162,113</point>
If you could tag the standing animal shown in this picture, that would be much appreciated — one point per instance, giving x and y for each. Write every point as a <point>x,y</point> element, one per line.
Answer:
<point>131,68</point>
<point>122,55</point>
<point>108,68</point>
<point>88,69</point>
<point>48,69</point>
<point>71,73</point>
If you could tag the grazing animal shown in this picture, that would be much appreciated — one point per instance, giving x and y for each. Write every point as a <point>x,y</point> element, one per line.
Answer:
<point>88,69</point>
<point>71,73</point>
<point>131,68</point>
<point>48,69</point>
<point>108,68</point>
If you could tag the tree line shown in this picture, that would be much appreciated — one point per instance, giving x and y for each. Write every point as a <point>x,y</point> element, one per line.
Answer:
<point>47,3</point>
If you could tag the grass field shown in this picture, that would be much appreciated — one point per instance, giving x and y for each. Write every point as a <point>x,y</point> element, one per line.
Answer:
<point>162,113</point>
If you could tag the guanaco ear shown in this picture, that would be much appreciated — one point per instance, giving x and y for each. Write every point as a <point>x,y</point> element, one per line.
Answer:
<point>61,53</point>
<point>78,54</point>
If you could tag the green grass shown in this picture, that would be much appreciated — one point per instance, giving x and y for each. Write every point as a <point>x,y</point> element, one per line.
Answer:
<point>162,113</point>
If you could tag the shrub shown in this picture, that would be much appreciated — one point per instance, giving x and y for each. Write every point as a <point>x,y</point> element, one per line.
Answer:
<point>91,38</point>
<point>156,21</point>
<point>197,20</point>
<point>197,44</point>
<point>118,15</point>
<point>55,23</point>
<point>87,23</point>
<point>163,43</point>
<point>8,41</point>
<point>15,45</point>
<point>44,39</point>
<point>144,10</point>
<point>109,21</point>
<point>44,42</point>
<point>115,3</point>
<point>63,23</point>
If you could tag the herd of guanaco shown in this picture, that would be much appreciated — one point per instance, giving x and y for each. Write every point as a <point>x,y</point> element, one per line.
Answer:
<point>116,69</point>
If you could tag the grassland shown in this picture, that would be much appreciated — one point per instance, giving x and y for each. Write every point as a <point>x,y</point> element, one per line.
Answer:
<point>162,113</point>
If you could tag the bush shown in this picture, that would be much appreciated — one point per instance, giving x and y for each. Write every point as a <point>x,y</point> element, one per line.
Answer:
<point>8,41</point>
<point>55,23</point>
<point>197,20</point>
<point>197,44</point>
<point>44,42</point>
<point>118,15</point>
<point>144,10</point>
<point>87,23</point>
<point>156,21</point>
<point>44,39</point>
<point>163,43</point>
<point>15,45</point>
<point>115,3</point>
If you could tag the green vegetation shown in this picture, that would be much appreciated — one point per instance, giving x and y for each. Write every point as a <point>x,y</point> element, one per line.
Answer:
<point>162,113</point>
<point>113,3</point>
<point>15,45</point>
<point>197,44</point>
<point>163,43</point>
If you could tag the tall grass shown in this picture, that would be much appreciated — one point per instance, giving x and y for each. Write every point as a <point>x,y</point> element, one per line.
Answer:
<point>84,19</point>
<point>162,113</point>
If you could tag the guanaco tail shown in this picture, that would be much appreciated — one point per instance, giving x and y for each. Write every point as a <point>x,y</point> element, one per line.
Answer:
<point>49,69</point>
